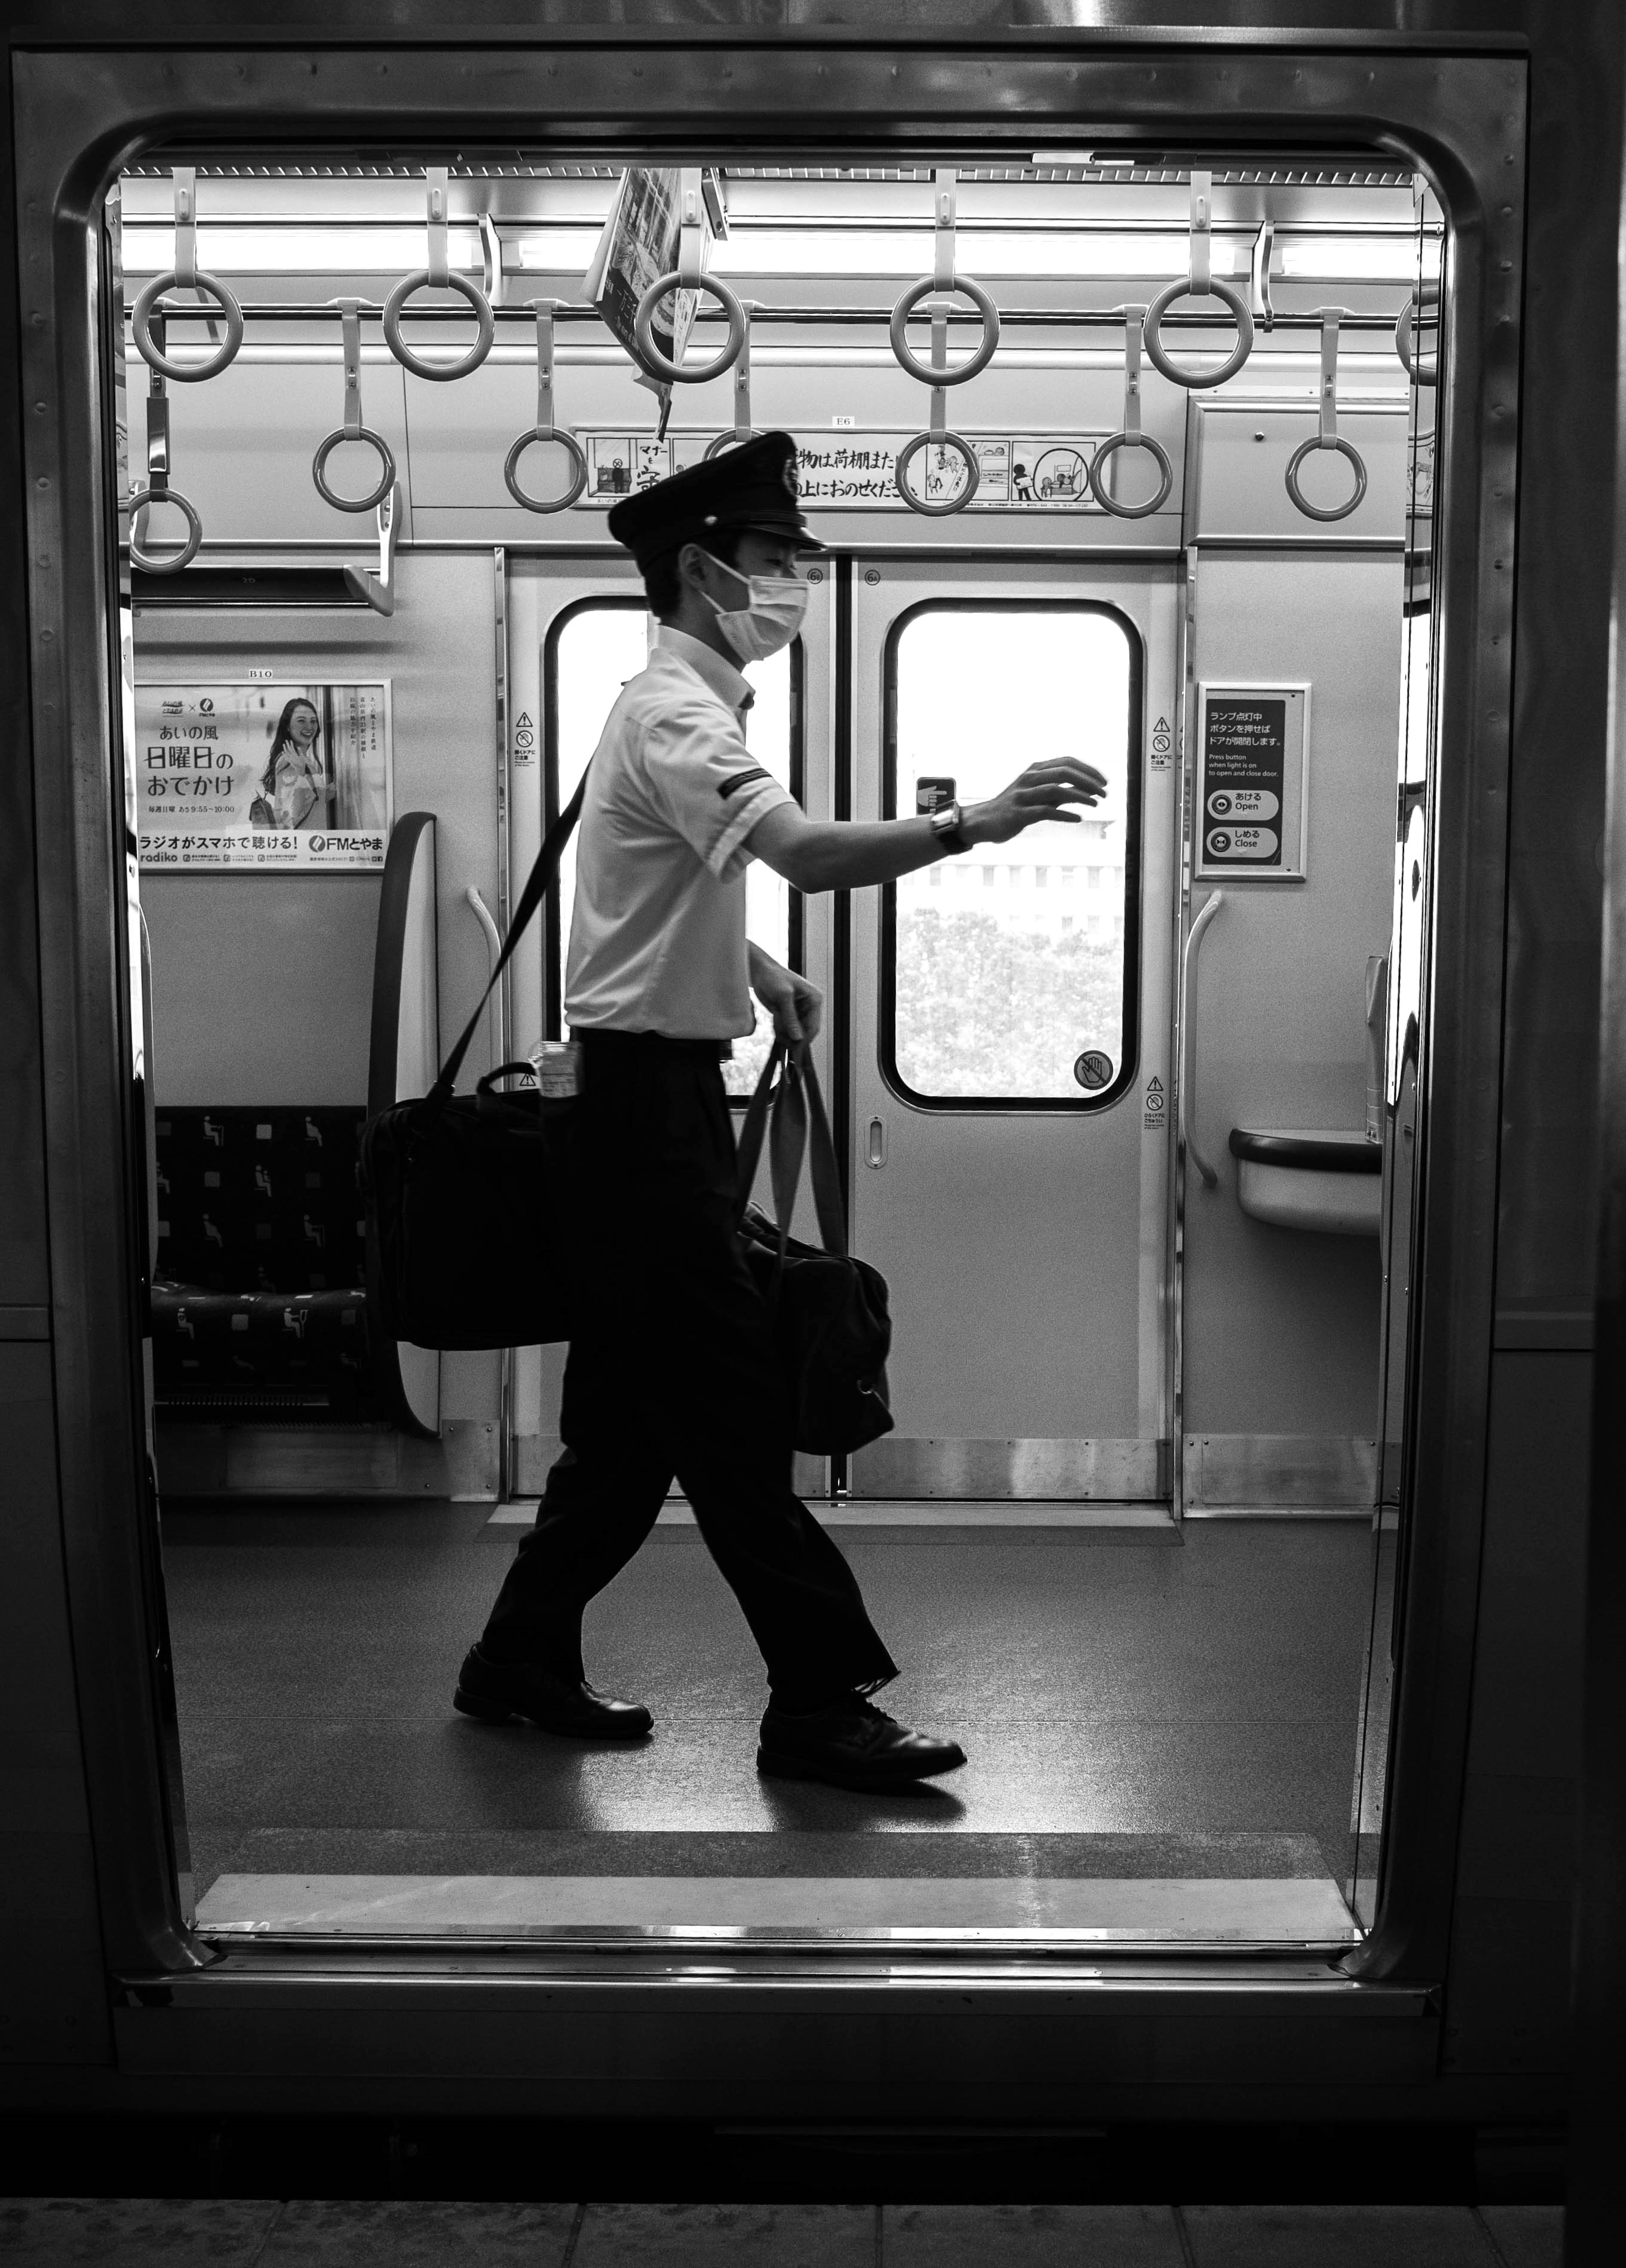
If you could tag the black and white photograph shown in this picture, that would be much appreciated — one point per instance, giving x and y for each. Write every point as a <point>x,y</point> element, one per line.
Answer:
<point>813,1134</point>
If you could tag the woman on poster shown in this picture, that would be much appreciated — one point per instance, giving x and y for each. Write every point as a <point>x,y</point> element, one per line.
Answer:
<point>294,791</point>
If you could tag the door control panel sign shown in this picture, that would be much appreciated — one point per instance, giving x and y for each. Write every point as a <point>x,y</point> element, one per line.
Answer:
<point>1251,783</point>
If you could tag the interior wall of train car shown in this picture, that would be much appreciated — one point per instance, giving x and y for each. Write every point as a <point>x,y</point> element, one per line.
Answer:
<point>1239,1361</point>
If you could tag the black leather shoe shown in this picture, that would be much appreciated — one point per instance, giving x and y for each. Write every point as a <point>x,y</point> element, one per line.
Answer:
<point>852,1744</point>
<point>496,1691</point>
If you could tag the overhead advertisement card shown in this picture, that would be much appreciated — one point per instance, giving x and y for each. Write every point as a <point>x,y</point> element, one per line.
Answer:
<point>1251,789</point>
<point>849,471</point>
<point>272,776</point>
<point>638,242</point>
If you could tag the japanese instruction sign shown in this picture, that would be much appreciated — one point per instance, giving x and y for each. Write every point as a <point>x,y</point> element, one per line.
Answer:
<point>1251,783</point>
<point>847,471</point>
<point>261,776</point>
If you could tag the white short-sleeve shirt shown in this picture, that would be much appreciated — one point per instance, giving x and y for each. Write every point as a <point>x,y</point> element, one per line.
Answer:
<point>657,939</point>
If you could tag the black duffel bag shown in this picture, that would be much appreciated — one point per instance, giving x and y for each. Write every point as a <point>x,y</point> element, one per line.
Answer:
<point>830,1321</point>
<point>463,1246</point>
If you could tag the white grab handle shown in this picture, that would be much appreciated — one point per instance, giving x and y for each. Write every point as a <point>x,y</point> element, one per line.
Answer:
<point>1189,1054</point>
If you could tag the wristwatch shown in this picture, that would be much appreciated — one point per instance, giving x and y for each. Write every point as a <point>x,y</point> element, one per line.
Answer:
<point>944,823</point>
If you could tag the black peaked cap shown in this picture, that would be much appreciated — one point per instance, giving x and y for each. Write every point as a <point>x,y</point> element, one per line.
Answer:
<point>752,487</point>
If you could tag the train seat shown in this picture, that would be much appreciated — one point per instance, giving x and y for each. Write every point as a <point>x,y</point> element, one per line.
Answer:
<point>259,1299</point>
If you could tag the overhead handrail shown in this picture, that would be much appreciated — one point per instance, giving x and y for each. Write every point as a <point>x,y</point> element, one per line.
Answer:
<point>1187,1067</point>
<point>438,276</point>
<point>185,275</point>
<point>944,277</point>
<point>545,428</point>
<point>689,276</point>
<point>1198,282</point>
<point>938,374</point>
<point>1425,370</point>
<point>742,391</point>
<point>352,429</point>
<point>378,590</point>
<point>851,316</point>
<point>1327,436</point>
<point>158,490</point>
<point>1130,436</point>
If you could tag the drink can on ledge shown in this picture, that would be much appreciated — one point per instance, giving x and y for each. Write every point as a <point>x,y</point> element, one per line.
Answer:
<point>557,1064</point>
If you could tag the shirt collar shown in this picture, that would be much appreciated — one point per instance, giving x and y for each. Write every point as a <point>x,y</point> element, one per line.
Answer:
<point>708,665</point>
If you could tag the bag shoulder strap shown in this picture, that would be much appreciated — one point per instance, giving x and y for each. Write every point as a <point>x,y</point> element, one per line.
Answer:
<point>541,874</point>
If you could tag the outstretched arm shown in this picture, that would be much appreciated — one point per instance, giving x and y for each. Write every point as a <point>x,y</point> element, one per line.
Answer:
<point>847,854</point>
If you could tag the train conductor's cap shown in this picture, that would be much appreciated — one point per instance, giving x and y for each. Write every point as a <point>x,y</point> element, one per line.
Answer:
<point>751,489</point>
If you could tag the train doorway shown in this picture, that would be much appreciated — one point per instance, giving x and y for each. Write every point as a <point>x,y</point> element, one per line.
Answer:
<point>1098,1418</point>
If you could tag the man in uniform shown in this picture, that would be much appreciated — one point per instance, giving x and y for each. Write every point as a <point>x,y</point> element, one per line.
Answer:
<point>672,1368</point>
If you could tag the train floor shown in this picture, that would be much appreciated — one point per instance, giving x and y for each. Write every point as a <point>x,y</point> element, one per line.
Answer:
<point>1160,1729</point>
<point>119,2233</point>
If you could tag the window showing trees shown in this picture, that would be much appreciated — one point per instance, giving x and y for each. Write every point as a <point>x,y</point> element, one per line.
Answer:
<point>1010,972</point>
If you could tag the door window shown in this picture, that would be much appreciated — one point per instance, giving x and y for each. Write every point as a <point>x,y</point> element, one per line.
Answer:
<point>593,649</point>
<point>1009,974</point>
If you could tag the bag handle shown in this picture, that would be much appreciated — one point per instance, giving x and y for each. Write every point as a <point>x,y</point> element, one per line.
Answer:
<point>541,874</point>
<point>801,1127</point>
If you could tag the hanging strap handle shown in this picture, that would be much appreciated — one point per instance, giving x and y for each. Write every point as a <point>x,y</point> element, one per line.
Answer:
<point>1329,375</point>
<point>541,874</point>
<point>350,334</point>
<point>437,188</point>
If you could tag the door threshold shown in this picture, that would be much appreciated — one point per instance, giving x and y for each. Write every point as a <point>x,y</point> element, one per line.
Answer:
<point>920,1511</point>
<point>1295,1910</point>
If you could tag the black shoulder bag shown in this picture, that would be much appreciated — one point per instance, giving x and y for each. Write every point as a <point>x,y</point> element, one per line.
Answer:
<point>462,1241</point>
<point>831,1326</point>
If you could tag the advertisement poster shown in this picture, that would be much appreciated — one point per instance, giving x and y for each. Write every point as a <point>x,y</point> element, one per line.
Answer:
<point>848,471</point>
<point>639,243</point>
<point>264,776</point>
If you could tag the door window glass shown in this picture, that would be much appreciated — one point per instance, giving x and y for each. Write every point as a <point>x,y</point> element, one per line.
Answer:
<point>1010,972</point>
<point>591,653</point>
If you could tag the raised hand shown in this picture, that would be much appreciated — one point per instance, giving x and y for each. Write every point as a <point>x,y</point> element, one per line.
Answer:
<point>1039,793</point>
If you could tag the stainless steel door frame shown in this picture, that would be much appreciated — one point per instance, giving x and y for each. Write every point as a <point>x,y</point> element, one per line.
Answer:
<point>80,112</point>
<point>1112,1464</point>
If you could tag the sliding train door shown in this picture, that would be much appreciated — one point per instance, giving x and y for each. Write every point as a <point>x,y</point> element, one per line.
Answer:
<point>1009,1021</point>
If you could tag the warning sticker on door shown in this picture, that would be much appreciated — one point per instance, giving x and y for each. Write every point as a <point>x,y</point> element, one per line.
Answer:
<point>1250,786</point>
<point>1156,1104</point>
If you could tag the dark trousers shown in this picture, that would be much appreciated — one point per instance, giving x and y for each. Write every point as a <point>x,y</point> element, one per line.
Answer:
<point>671,1371</point>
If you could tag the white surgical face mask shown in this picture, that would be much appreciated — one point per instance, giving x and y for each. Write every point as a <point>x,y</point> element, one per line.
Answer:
<point>773,615</point>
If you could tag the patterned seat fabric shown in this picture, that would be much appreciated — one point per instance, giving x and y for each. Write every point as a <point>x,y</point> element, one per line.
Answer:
<point>259,1300</point>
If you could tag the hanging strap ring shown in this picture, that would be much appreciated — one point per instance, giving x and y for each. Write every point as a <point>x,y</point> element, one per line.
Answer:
<point>1130,436</point>
<point>687,374</point>
<point>1423,370</point>
<point>1327,435</point>
<point>188,373</point>
<point>352,429</point>
<point>1344,449</point>
<point>1157,353</point>
<point>185,275</point>
<point>1161,458</point>
<point>441,372</point>
<point>386,476</point>
<point>947,439</point>
<point>169,562</point>
<point>438,276</point>
<point>959,372</point>
<point>545,429</point>
<point>573,449</point>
